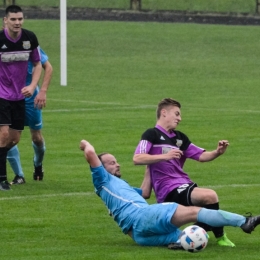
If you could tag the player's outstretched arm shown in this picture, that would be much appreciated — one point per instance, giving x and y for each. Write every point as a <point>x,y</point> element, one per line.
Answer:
<point>89,153</point>
<point>209,156</point>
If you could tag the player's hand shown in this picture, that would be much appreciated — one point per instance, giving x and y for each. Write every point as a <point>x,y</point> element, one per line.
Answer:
<point>28,91</point>
<point>82,145</point>
<point>174,154</point>
<point>222,146</point>
<point>40,100</point>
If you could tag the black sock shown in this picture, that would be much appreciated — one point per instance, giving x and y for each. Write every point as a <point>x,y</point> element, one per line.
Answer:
<point>3,154</point>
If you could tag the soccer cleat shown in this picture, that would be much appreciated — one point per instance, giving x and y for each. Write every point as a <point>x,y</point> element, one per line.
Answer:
<point>38,173</point>
<point>18,180</point>
<point>250,224</point>
<point>224,241</point>
<point>175,246</point>
<point>4,185</point>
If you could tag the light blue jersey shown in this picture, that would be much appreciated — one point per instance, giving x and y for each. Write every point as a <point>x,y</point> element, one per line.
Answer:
<point>44,58</point>
<point>33,115</point>
<point>116,193</point>
<point>150,224</point>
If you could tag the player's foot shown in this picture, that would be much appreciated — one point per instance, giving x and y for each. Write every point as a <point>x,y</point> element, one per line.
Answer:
<point>250,224</point>
<point>18,180</point>
<point>38,173</point>
<point>224,241</point>
<point>4,185</point>
<point>175,246</point>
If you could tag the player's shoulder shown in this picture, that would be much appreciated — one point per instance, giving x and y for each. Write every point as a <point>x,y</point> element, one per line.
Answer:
<point>150,135</point>
<point>28,34</point>
<point>2,34</point>
<point>179,133</point>
<point>44,56</point>
<point>25,31</point>
<point>150,132</point>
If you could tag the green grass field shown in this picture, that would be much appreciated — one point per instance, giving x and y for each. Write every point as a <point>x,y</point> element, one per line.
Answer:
<point>117,73</point>
<point>243,6</point>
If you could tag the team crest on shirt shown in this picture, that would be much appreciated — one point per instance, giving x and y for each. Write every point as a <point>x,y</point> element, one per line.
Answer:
<point>26,45</point>
<point>179,142</point>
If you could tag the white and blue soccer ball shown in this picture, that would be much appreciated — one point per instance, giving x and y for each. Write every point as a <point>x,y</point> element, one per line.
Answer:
<point>194,239</point>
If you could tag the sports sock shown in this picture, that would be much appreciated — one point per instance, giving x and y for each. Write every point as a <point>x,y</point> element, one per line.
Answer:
<point>220,218</point>
<point>13,156</point>
<point>217,231</point>
<point>3,153</point>
<point>38,154</point>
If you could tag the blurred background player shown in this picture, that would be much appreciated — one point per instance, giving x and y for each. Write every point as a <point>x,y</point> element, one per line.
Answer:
<point>18,46</point>
<point>33,119</point>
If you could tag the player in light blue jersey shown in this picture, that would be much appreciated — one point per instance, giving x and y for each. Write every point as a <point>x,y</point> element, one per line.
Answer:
<point>151,225</point>
<point>33,119</point>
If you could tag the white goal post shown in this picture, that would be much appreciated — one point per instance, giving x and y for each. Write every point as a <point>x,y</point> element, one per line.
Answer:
<point>63,42</point>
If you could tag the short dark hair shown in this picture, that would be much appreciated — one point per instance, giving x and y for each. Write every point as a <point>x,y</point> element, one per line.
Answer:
<point>13,9</point>
<point>165,103</point>
<point>100,156</point>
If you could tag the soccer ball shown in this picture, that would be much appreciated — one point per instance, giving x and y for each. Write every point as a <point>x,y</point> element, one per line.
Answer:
<point>194,239</point>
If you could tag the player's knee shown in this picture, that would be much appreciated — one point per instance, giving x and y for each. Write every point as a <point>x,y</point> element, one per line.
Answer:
<point>4,135</point>
<point>212,197</point>
<point>38,139</point>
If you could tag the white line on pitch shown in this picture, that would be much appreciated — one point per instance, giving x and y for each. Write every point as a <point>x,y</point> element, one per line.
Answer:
<point>49,195</point>
<point>93,193</point>
<point>97,109</point>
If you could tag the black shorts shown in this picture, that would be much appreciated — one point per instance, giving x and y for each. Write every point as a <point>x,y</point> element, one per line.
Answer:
<point>182,194</point>
<point>12,113</point>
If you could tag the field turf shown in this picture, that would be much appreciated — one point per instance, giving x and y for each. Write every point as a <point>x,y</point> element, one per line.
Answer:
<point>117,73</point>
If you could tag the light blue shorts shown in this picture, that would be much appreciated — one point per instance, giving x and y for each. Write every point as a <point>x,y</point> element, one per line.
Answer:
<point>33,116</point>
<point>154,227</point>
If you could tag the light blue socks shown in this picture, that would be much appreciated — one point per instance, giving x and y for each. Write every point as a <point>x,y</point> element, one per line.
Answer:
<point>220,218</point>
<point>13,156</point>
<point>38,154</point>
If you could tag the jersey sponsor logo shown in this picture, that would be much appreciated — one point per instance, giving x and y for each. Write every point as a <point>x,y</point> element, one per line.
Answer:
<point>10,57</point>
<point>179,142</point>
<point>26,45</point>
<point>4,47</point>
<point>182,188</point>
<point>162,138</point>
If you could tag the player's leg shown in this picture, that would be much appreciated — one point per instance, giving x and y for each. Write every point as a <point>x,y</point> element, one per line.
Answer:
<point>15,131</point>
<point>182,195</point>
<point>33,119</point>
<point>152,226</point>
<point>13,156</point>
<point>14,138</point>
<point>208,198</point>
<point>12,116</point>
<point>5,121</point>
<point>39,148</point>
<point>4,133</point>
<point>214,218</point>
<point>191,195</point>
